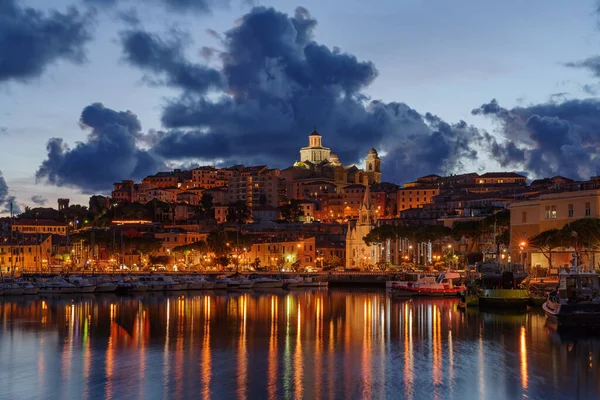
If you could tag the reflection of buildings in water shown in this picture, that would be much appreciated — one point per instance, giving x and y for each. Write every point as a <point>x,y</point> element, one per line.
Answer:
<point>305,335</point>
<point>242,351</point>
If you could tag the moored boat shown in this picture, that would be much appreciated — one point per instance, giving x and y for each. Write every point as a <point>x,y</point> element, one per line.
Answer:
<point>576,302</point>
<point>447,284</point>
<point>56,286</point>
<point>266,282</point>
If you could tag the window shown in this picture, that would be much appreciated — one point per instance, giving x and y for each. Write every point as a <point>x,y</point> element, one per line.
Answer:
<point>524,217</point>
<point>587,210</point>
<point>553,212</point>
<point>570,210</point>
<point>547,212</point>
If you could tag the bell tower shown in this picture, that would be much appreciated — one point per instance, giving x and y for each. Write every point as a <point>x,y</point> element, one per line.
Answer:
<point>373,166</point>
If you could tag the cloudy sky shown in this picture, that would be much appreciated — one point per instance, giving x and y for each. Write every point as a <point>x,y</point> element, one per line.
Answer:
<point>95,91</point>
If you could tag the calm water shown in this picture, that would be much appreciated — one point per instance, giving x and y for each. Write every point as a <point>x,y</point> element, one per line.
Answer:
<point>289,345</point>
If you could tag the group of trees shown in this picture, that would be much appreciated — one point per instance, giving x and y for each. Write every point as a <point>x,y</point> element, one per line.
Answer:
<point>581,234</point>
<point>475,231</point>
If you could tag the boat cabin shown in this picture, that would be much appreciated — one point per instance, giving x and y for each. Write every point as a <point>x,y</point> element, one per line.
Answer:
<point>576,287</point>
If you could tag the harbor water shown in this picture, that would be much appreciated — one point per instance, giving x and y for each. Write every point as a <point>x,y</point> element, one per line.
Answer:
<point>277,344</point>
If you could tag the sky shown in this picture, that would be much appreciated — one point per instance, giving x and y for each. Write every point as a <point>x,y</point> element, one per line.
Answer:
<point>96,91</point>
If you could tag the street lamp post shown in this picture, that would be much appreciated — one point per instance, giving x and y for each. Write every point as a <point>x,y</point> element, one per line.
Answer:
<point>522,246</point>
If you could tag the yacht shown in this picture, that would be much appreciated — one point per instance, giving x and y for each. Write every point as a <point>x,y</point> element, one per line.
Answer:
<point>11,289</point>
<point>82,285</point>
<point>56,286</point>
<point>576,302</point>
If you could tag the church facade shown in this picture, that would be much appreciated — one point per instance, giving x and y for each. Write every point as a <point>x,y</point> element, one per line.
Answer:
<point>358,254</point>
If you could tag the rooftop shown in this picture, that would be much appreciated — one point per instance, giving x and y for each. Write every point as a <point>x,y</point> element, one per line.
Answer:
<point>39,222</point>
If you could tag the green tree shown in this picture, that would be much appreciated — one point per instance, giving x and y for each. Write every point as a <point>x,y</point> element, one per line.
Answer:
<point>546,242</point>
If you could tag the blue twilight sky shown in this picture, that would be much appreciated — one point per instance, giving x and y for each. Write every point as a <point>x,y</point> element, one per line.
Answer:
<point>244,83</point>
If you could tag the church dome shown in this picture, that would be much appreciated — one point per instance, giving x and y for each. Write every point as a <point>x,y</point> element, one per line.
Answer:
<point>373,151</point>
<point>314,132</point>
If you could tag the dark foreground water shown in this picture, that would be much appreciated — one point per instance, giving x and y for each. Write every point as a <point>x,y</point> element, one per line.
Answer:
<point>289,345</point>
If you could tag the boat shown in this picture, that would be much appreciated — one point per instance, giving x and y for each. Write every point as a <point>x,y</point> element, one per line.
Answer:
<point>309,281</point>
<point>446,284</point>
<point>27,287</point>
<point>56,286</point>
<point>576,302</point>
<point>11,289</point>
<point>104,286</point>
<point>82,285</point>
<point>266,282</point>
<point>194,283</point>
<point>508,294</point>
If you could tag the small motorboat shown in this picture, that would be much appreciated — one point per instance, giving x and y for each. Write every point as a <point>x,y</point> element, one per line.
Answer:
<point>443,285</point>
<point>576,302</point>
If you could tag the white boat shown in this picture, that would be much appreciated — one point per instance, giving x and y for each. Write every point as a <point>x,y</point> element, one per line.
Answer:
<point>28,287</point>
<point>264,282</point>
<point>160,283</point>
<point>82,285</point>
<point>194,283</point>
<point>233,284</point>
<point>56,286</point>
<point>104,285</point>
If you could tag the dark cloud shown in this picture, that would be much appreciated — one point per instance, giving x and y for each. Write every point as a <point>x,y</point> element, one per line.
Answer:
<point>7,200</point>
<point>166,60</point>
<point>592,64</point>
<point>31,40</point>
<point>39,200</point>
<point>275,84</point>
<point>549,139</point>
<point>109,154</point>
<point>178,6</point>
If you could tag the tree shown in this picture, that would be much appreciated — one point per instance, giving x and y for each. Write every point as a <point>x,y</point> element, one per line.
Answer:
<point>238,212</point>
<point>292,211</point>
<point>471,230</point>
<point>207,204</point>
<point>546,242</point>
<point>381,234</point>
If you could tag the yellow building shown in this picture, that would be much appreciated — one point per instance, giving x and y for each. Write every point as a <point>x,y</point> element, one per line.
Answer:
<point>549,211</point>
<point>415,197</point>
<point>29,252</point>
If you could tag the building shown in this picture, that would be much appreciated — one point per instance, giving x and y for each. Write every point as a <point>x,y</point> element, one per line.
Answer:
<point>259,189</point>
<point>44,226</point>
<point>25,252</point>
<point>315,153</point>
<point>318,164</point>
<point>550,211</point>
<point>297,254</point>
<point>358,254</point>
<point>177,237</point>
<point>415,197</point>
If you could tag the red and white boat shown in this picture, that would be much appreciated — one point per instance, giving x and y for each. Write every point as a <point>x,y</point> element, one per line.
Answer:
<point>447,284</point>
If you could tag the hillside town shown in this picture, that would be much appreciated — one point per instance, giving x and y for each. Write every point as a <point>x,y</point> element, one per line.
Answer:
<point>316,215</point>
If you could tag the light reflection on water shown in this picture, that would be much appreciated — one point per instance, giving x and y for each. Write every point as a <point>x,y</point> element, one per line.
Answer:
<point>292,345</point>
